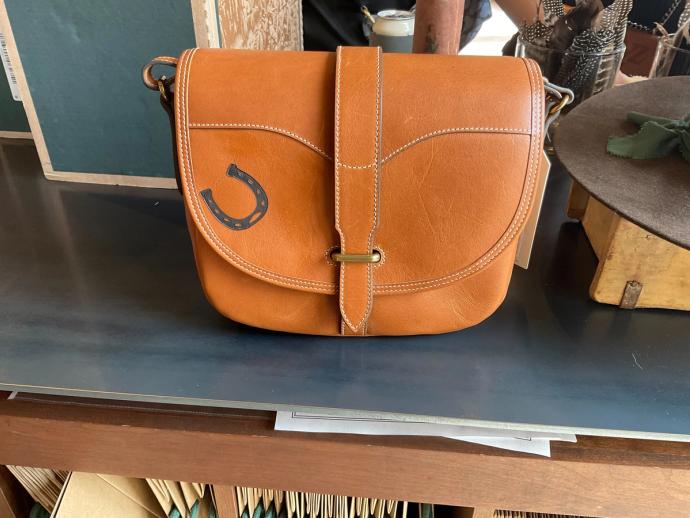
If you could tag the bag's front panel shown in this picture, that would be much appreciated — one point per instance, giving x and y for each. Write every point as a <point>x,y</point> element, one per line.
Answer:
<point>285,91</point>
<point>435,220</point>
<point>425,96</point>
<point>458,161</point>
<point>252,301</point>
<point>292,234</point>
<point>449,307</point>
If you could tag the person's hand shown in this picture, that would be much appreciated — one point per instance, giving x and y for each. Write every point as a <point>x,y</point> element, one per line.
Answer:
<point>522,11</point>
<point>622,79</point>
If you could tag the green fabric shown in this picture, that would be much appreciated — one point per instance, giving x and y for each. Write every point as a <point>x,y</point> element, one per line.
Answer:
<point>259,511</point>
<point>194,511</point>
<point>658,137</point>
<point>271,511</point>
<point>426,511</point>
<point>283,511</point>
<point>37,511</point>
<point>174,513</point>
<point>245,513</point>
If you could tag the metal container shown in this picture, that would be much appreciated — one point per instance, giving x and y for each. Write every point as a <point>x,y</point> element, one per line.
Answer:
<point>392,30</point>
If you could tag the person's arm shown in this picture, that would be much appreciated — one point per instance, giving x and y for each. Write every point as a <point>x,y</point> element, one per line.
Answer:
<point>522,11</point>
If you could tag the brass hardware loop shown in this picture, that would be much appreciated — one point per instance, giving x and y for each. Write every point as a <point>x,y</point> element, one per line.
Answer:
<point>373,257</point>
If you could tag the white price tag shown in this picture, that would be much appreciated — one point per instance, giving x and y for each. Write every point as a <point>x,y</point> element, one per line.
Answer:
<point>9,71</point>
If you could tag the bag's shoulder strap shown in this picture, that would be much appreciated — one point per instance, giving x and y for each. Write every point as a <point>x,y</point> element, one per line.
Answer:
<point>357,178</point>
<point>164,85</point>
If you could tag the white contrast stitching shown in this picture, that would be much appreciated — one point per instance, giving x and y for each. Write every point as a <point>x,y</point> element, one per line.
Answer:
<point>377,143</point>
<point>199,216</point>
<point>341,290</point>
<point>347,166</point>
<point>263,127</point>
<point>391,155</point>
<point>448,131</point>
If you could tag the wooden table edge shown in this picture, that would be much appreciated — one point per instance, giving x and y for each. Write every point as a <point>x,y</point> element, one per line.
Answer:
<point>595,477</point>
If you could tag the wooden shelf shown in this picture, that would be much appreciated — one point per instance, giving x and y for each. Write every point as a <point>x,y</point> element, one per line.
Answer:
<point>595,477</point>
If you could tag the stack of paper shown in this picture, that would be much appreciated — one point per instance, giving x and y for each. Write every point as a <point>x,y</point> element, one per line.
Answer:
<point>88,495</point>
<point>43,485</point>
<point>269,503</point>
<point>522,514</point>
<point>180,498</point>
<point>538,443</point>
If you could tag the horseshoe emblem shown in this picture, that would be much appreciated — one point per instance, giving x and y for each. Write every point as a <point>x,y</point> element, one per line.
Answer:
<point>254,217</point>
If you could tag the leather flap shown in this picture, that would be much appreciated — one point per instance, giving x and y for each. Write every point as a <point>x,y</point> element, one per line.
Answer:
<point>460,144</point>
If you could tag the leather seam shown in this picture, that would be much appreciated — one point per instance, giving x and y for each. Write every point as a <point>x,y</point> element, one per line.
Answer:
<point>341,289</point>
<point>437,133</point>
<point>522,210</point>
<point>374,224</point>
<point>206,230</point>
<point>348,166</point>
<point>261,127</point>
<point>450,131</point>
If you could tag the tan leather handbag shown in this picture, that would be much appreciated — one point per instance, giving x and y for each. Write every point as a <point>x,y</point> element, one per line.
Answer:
<point>355,193</point>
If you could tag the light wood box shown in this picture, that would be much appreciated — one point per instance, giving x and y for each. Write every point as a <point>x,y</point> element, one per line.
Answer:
<point>637,269</point>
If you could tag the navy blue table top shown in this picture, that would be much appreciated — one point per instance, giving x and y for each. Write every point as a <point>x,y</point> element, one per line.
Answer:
<point>99,297</point>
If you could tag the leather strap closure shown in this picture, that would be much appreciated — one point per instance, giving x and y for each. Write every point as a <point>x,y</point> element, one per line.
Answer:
<point>357,177</point>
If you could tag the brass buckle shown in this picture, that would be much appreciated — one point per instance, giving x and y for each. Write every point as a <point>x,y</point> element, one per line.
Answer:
<point>373,257</point>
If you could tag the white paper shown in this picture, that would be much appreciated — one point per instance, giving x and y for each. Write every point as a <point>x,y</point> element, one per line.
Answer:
<point>535,446</point>
<point>526,240</point>
<point>7,65</point>
<point>517,440</point>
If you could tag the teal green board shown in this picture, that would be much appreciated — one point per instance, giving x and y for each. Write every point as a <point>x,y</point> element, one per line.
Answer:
<point>12,116</point>
<point>82,61</point>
